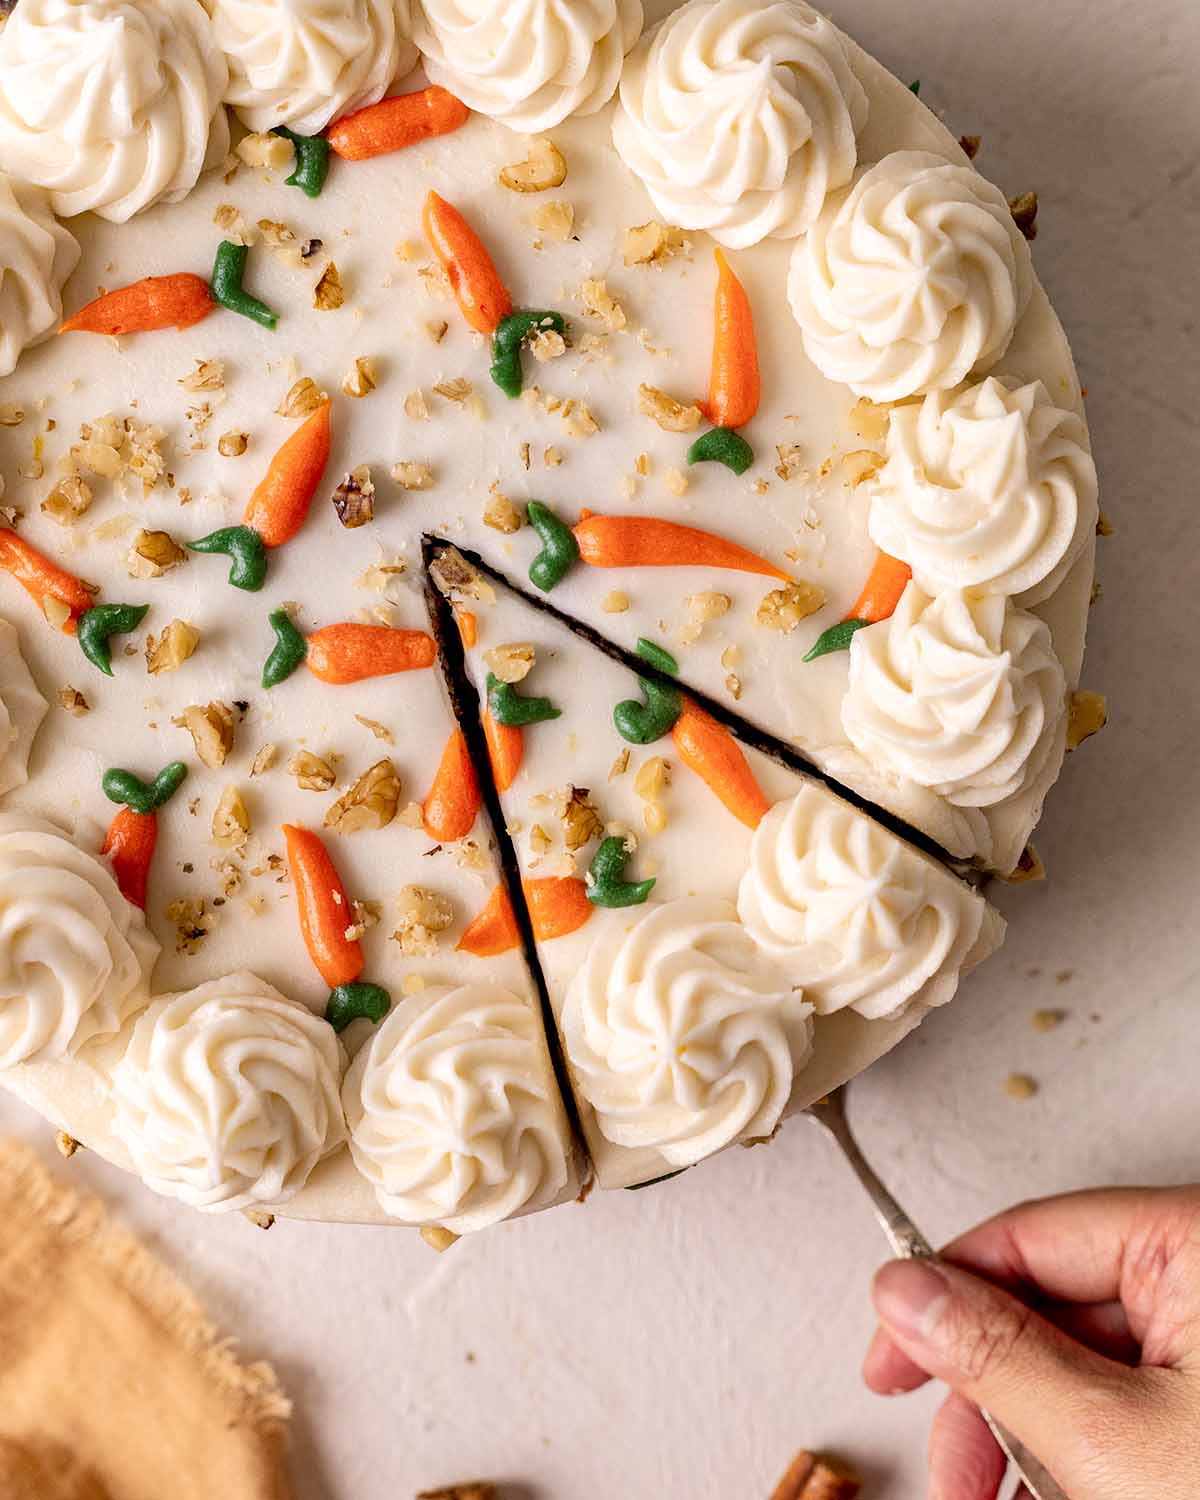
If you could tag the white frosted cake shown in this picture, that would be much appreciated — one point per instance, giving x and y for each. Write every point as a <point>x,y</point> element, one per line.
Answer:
<point>699,331</point>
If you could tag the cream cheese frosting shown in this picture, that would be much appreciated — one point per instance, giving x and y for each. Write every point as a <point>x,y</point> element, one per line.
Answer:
<point>681,1034</point>
<point>850,913</point>
<point>454,1112</point>
<point>22,709</point>
<point>227,1095</point>
<point>303,63</point>
<point>740,118</point>
<point>37,254</point>
<point>529,63</point>
<point>111,105</point>
<point>961,693</point>
<point>992,488</point>
<point>75,956</point>
<point>911,279</point>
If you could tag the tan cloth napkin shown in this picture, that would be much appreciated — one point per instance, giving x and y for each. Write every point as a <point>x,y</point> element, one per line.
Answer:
<point>114,1384</point>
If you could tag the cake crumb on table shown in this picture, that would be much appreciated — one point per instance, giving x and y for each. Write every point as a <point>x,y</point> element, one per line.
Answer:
<point>477,1489</point>
<point>1020,1086</point>
<point>812,1477</point>
<point>1048,1020</point>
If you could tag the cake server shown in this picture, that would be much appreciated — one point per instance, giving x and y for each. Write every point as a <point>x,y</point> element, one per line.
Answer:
<point>908,1243</point>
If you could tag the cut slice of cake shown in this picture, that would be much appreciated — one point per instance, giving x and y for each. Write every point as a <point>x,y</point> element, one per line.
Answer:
<point>723,938</point>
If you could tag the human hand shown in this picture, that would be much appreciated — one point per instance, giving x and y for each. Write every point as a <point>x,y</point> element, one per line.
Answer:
<point>1075,1322</point>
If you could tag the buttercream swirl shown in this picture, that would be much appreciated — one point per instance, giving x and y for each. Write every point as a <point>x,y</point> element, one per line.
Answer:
<point>851,913</point>
<point>453,1110</point>
<point>911,279</point>
<point>681,1034</point>
<point>303,63</point>
<point>962,694</point>
<point>991,489</point>
<point>75,956</point>
<point>530,63</point>
<point>740,118</point>
<point>111,105</point>
<point>22,709</point>
<point>36,256</point>
<point>227,1095</point>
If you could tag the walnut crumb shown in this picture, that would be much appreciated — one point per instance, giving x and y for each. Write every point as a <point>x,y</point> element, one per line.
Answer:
<point>1024,209</point>
<point>456,579</point>
<point>265,149</point>
<point>410,475</point>
<point>669,414</point>
<point>501,514</point>
<point>581,819</point>
<point>416,408</point>
<point>380,731</point>
<point>861,465</point>
<point>171,647</point>
<point>651,243</point>
<point>552,457</point>
<point>437,329</point>
<point>1087,715</point>
<point>556,219</point>
<point>620,765</point>
<point>578,419</point>
<point>264,759</point>
<point>12,414</point>
<point>370,803</point>
<point>192,924</point>
<point>870,421</point>
<point>1047,1020</point>
<point>209,375</point>
<point>233,444</point>
<point>676,482</point>
<point>230,820</point>
<point>70,498</point>
<point>1020,1086</point>
<point>211,727</point>
<point>154,553</point>
<point>783,608</point>
<point>544,167</point>
<point>329,294</point>
<point>615,602</point>
<point>599,302</point>
<point>439,1238</point>
<point>302,399</point>
<point>354,499</point>
<point>457,390</point>
<point>362,377</point>
<point>791,461</point>
<point>313,773</point>
<point>511,662</point>
<point>422,915</point>
<point>66,1145</point>
<point>72,701</point>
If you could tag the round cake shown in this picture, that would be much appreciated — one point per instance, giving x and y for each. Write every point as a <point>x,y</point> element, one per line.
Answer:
<point>544,558</point>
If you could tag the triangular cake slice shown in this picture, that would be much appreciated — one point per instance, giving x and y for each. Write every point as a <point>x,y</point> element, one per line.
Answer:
<point>340,799</point>
<point>723,939</point>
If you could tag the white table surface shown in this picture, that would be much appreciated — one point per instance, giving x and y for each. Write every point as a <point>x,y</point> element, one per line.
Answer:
<point>678,1344</point>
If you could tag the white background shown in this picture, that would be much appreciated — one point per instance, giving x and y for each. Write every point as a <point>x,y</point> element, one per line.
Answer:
<point>680,1343</point>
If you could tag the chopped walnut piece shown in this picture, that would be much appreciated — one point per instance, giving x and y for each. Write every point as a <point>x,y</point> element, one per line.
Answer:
<point>544,167</point>
<point>209,375</point>
<point>361,379</point>
<point>370,803</point>
<point>422,915</point>
<point>1020,1086</point>
<point>675,482</point>
<point>229,221</point>
<point>501,514</point>
<point>230,820</point>
<point>380,731</point>
<point>646,244</point>
<point>12,414</point>
<point>652,779</point>
<point>413,476</point>
<point>211,728</point>
<point>546,345</point>
<point>302,399</point>
<point>581,819</point>
<point>671,415</point>
<point>1024,209</point>
<point>1104,527</point>
<point>380,576</point>
<point>313,773</point>
<point>557,219</point>
<point>264,759</point>
<point>456,390</point>
<point>1047,1020</point>
<point>578,419</point>
<point>785,607</point>
<point>791,460</point>
<point>733,685</point>
<point>328,294</point>
<point>457,580</point>
<point>68,500</point>
<point>510,662</point>
<point>171,647</point>
<point>437,329</point>
<point>861,465</point>
<point>436,283</point>
<point>620,765</point>
<point>191,922</point>
<point>615,603</point>
<point>416,408</point>
<point>154,553</point>
<point>1087,715</point>
<point>708,605</point>
<point>552,457</point>
<point>439,1238</point>
<point>1029,868</point>
<point>57,612</point>
<point>266,149</point>
<point>599,302</point>
<point>66,1145</point>
<point>970,145</point>
<point>870,421</point>
<point>233,444</point>
<point>354,499</point>
<point>73,701</point>
<point>810,1477</point>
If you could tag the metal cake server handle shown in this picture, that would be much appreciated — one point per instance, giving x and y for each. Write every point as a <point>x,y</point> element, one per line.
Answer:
<point>908,1242</point>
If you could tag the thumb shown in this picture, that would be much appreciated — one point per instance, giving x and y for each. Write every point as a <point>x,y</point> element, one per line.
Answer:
<point>1051,1392</point>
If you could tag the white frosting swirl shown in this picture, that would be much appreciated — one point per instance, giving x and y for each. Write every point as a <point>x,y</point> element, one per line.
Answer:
<point>22,709</point>
<point>530,63</point>
<point>303,63</point>
<point>36,256</point>
<point>991,489</point>
<point>111,104</point>
<point>962,694</point>
<point>851,913</point>
<point>740,118</point>
<point>910,280</point>
<point>227,1095</point>
<point>453,1110</point>
<point>680,1032</point>
<point>75,956</point>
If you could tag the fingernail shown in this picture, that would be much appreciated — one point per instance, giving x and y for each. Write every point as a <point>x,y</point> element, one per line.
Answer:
<point>910,1296</point>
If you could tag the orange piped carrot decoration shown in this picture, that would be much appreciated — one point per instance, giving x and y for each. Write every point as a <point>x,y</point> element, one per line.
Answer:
<point>474,280</point>
<point>278,507</point>
<point>646,542</point>
<point>130,844</point>
<point>494,930</point>
<point>452,805</point>
<point>349,651</point>
<point>178,301</point>
<point>393,124</point>
<point>885,583</point>
<point>506,750</point>
<point>734,386</point>
<point>558,904</point>
<point>41,579</point>
<point>468,627</point>
<point>325,912</point>
<point>709,749</point>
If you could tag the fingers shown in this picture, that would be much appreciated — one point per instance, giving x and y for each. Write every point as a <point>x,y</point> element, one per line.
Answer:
<point>1000,1354</point>
<point>964,1460</point>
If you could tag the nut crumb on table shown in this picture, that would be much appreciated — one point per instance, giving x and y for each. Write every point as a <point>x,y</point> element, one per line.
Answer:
<point>812,1477</point>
